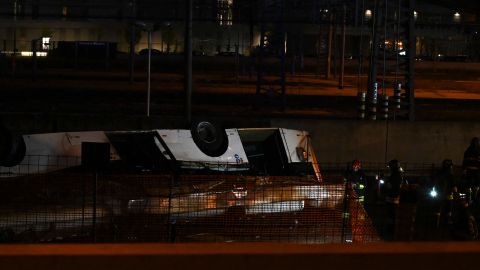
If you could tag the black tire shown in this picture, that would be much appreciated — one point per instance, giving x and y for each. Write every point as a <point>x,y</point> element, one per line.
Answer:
<point>210,138</point>
<point>12,148</point>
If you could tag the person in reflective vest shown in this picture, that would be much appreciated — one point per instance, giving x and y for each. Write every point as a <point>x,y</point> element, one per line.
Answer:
<point>355,177</point>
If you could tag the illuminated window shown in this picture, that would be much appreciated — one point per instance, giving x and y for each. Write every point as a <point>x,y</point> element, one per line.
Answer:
<point>225,12</point>
<point>45,43</point>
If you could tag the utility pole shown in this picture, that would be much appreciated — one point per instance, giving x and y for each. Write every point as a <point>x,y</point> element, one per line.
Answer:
<point>132,41</point>
<point>149,69</point>
<point>188,61</point>
<point>410,67</point>
<point>372,86</point>
<point>329,49</point>
<point>342,54</point>
<point>34,58</point>
<point>149,28</point>
<point>251,46</point>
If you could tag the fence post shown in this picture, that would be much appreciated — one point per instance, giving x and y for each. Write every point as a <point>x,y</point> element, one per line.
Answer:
<point>94,212</point>
<point>345,214</point>
<point>172,224</point>
<point>95,157</point>
<point>84,201</point>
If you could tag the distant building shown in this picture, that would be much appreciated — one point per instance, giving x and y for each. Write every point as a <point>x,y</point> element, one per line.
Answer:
<point>221,25</point>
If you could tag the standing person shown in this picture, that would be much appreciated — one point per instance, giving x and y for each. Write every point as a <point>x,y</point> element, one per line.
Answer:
<point>464,225</point>
<point>355,216</point>
<point>471,168</point>
<point>394,181</point>
<point>392,194</point>
<point>356,179</point>
<point>445,185</point>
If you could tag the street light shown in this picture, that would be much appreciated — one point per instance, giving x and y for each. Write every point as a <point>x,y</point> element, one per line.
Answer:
<point>456,17</point>
<point>368,14</point>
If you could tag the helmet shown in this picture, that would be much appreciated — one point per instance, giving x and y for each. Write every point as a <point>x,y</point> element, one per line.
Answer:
<point>393,164</point>
<point>356,165</point>
<point>475,142</point>
<point>447,164</point>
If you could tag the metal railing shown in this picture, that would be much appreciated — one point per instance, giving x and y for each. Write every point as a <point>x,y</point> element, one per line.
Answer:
<point>88,206</point>
<point>167,208</point>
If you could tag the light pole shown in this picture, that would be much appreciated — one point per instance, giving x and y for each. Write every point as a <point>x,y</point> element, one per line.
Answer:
<point>132,42</point>
<point>34,58</point>
<point>342,53</point>
<point>149,28</point>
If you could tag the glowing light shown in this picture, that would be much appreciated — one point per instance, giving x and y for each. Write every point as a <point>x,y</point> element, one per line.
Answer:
<point>433,193</point>
<point>30,54</point>
<point>240,192</point>
<point>456,17</point>
<point>368,14</point>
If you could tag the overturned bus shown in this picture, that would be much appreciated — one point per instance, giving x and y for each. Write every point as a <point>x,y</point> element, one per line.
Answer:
<point>204,148</point>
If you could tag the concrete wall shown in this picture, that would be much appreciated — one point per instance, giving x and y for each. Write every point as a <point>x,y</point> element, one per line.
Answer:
<point>414,142</point>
